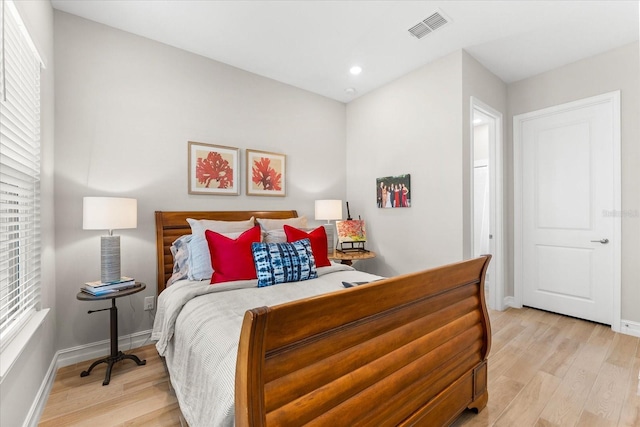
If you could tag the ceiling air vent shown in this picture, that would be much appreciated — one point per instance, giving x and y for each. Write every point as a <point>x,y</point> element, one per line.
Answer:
<point>435,21</point>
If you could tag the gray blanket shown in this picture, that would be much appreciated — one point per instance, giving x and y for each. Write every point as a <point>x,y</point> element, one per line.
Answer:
<point>197,328</point>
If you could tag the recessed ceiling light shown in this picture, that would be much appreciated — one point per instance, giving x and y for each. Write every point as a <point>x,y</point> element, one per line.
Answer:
<point>355,70</point>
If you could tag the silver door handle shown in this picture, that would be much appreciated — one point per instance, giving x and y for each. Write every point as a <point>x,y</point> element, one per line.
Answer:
<point>603,241</point>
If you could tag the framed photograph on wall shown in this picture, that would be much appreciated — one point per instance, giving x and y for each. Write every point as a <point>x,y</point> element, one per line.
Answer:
<point>266,173</point>
<point>394,191</point>
<point>213,169</point>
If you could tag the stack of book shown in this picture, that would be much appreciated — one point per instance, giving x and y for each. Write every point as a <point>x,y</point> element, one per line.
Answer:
<point>99,288</point>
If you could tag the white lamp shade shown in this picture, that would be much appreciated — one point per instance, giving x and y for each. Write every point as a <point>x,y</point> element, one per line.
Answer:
<point>328,209</point>
<point>109,213</point>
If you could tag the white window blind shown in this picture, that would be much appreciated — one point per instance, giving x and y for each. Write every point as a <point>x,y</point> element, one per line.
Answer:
<point>19,175</point>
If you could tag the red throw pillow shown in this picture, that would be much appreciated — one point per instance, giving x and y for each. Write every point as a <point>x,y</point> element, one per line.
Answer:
<point>318,238</point>
<point>232,259</point>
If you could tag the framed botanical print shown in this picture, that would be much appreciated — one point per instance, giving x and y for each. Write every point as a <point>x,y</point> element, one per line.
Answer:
<point>266,173</point>
<point>213,169</point>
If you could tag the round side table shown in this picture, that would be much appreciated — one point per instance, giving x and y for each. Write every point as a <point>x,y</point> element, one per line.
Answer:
<point>115,355</point>
<point>349,258</point>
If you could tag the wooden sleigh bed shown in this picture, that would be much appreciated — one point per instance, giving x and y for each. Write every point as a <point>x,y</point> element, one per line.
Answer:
<point>408,350</point>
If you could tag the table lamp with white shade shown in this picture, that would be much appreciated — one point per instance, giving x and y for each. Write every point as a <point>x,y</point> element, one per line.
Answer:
<point>329,210</point>
<point>109,213</point>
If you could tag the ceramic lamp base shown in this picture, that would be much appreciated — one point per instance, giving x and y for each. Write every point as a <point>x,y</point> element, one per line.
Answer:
<point>109,259</point>
<point>330,230</point>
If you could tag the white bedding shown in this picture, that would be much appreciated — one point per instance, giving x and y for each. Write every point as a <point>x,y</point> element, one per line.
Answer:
<point>197,327</point>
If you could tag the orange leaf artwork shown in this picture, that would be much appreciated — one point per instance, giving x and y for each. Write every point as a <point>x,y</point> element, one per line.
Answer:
<point>214,171</point>
<point>265,175</point>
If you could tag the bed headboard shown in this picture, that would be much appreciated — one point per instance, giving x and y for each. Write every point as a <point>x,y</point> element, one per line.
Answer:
<point>171,225</point>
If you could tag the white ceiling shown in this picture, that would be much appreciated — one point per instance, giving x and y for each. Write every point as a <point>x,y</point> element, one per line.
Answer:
<point>312,44</point>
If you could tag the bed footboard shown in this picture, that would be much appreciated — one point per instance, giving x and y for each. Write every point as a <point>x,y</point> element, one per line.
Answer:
<point>409,350</point>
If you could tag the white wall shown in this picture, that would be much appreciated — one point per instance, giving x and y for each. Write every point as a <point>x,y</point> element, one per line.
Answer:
<point>419,124</point>
<point>410,126</point>
<point>618,69</point>
<point>22,384</point>
<point>125,109</point>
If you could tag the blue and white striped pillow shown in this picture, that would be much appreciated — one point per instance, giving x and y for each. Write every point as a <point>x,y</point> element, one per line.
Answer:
<point>283,262</point>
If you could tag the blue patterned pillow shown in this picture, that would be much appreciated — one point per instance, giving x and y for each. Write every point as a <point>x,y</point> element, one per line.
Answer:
<point>283,262</point>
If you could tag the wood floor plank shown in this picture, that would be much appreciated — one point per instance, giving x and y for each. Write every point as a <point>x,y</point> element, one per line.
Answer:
<point>531,360</point>
<point>576,329</point>
<point>526,407</point>
<point>532,332</point>
<point>591,357</point>
<point>602,335</point>
<point>607,395</point>
<point>559,362</point>
<point>622,350</point>
<point>117,410</point>
<point>502,361</point>
<point>587,419</point>
<point>545,370</point>
<point>566,404</point>
<point>164,417</point>
<point>630,414</point>
<point>505,336</point>
<point>503,390</point>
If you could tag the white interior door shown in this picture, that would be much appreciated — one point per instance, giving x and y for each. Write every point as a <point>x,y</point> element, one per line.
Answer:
<point>567,184</point>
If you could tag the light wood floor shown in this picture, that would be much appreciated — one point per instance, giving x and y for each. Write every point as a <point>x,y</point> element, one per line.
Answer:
<point>544,370</point>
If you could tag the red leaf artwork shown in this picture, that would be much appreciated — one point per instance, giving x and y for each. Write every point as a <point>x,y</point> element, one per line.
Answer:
<point>214,169</point>
<point>266,176</point>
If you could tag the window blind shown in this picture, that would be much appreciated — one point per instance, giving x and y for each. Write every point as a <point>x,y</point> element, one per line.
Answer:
<point>19,175</point>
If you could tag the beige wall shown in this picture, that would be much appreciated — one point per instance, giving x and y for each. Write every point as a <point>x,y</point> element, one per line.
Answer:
<point>419,124</point>
<point>410,126</point>
<point>480,83</point>
<point>126,108</point>
<point>19,389</point>
<point>618,69</point>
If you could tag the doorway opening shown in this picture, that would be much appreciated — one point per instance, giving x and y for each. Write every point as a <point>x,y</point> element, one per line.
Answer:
<point>486,197</point>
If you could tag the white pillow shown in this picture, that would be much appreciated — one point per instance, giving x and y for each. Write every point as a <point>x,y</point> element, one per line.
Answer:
<point>199,257</point>
<point>277,224</point>
<point>274,236</point>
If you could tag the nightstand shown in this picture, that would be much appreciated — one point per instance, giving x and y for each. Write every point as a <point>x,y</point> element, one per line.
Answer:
<point>115,355</point>
<point>349,258</point>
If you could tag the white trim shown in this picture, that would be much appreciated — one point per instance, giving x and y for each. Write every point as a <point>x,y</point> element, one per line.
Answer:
<point>14,349</point>
<point>617,223</point>
<point>614,99</point>
<point>496,286</point>
<point>98,349</point>
<point>39,403</point>
<point>629,327</point>
<point>510,302</point>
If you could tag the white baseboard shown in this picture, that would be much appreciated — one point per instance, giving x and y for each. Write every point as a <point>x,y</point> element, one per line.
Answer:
<point>630,328</point>
<point>98,349</point>
<point>510,302</point>
<point>35,412</point>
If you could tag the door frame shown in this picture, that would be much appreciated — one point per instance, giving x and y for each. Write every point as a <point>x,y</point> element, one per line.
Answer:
<point>613,99</point>
<point>496,286</point>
